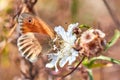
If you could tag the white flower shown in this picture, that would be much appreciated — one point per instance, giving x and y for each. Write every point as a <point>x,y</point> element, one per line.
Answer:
<point>66,52</point>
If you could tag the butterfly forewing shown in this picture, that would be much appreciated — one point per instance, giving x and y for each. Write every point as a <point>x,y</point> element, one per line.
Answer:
<point>30,23</point>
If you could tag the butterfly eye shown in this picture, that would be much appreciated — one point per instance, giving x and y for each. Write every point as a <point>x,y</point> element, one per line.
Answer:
<point>30,20</point>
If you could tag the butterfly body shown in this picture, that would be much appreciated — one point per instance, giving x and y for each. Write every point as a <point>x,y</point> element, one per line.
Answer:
<point>35,36</point>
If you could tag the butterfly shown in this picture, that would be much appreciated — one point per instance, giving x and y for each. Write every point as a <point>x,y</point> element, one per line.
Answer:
<point>34,36</point>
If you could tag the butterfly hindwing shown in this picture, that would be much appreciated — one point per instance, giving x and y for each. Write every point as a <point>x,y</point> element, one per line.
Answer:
<point>29,46</point>
<point>32,44</point>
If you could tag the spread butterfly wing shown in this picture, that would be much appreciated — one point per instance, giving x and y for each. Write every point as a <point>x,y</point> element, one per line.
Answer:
<point>32,44</point>
<point>35,36</point>
<point>31,23</point>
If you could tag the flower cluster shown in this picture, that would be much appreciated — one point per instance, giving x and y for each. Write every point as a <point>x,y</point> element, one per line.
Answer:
<point>89,42</point>
<point>66,53</point>
<point>92,42</point>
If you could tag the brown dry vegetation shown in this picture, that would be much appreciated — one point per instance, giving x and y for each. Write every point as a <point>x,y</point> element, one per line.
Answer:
<point>59,12</point>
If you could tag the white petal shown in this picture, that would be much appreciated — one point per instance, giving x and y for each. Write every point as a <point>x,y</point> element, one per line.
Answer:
<point>52,63</point>
<point>63,61</point>
<point>74,53</point>
<point>56,69</point>
<point>60,31</point>
<point>72,39</point>
<point>71,27</point>
<point>73,56</point>
<point>71,59</point>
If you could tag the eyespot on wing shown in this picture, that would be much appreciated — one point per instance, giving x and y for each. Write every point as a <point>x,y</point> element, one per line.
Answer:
<point>30,23</point>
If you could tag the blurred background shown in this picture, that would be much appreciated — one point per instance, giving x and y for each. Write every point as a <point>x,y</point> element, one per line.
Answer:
<point>61,12</point>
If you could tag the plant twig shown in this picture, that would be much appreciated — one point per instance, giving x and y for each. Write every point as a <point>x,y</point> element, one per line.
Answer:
<point>30,4</point>
<point>115,19</point>
<point>74,68</point>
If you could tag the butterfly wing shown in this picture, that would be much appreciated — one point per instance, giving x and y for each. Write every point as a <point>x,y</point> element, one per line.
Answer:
<point>31,23</point>
<point>31,45</point>
<point>35,36</point>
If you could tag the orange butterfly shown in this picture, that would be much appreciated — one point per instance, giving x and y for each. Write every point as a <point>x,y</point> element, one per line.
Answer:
<point>35,35</point>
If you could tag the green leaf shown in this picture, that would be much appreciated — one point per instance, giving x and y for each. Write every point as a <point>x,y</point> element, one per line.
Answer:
<point>90,63</point>
<point>74,10</point>
<point>84,26</point>
<point>113,40</point>
<point>90,74</point>
<point>5,62</point>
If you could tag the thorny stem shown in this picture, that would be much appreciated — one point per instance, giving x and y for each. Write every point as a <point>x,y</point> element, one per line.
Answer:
<point>29,75</point>
<point>8,36</point>
<point>30,4</point>
<point>30,71</point>
<point>117,23</point>
<point>17,13</point>
<point>13,25</point>
<point>74,68</point>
